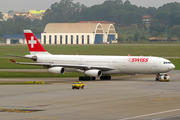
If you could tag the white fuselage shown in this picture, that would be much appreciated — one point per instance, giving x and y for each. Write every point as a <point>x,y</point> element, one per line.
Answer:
<point>122,64</point>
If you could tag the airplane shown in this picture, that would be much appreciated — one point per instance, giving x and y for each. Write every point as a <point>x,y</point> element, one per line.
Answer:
<point>92,66</point>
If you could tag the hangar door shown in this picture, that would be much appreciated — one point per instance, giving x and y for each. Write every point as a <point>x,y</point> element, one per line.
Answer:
<point>14,41</point>
<point>98,39</point>
<point>111,38</point>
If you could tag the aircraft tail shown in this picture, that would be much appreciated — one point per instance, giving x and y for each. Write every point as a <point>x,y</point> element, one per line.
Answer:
<point>34,45</point>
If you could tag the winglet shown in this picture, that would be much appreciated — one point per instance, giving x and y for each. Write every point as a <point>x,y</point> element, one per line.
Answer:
<point>12,60</point>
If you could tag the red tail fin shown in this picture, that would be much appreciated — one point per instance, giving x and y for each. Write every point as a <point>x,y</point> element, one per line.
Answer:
<point>33,43</point>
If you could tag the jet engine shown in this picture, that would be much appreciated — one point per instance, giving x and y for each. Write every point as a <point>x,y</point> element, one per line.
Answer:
<point>33,57</point>
<point>56,70</point>
<point>93,73</point>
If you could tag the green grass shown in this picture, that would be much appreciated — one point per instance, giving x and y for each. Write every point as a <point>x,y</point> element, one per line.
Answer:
<point>6,64</point>
<point>20,83</point>
<point>4,74</point>
<point>162,50</point>
<point>176,62</point>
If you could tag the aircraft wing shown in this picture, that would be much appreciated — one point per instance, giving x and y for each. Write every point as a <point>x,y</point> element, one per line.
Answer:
<point>87,67</point>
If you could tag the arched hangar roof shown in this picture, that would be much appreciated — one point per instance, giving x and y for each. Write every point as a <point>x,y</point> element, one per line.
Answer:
<point>73,28</point>
<point>109,28</point>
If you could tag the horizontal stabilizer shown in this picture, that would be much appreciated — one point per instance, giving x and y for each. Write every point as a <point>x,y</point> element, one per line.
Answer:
<point>12,60</point>
<point>32,57</point>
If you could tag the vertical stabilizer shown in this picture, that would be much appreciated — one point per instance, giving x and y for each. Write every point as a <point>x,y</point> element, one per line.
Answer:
<point>34,45</point>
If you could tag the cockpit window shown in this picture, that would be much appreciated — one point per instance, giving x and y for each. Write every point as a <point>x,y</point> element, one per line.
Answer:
<point>167,62</point>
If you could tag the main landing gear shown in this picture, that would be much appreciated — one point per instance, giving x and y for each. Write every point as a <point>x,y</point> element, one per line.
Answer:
<point>87,78</point>
<point>106,77</point>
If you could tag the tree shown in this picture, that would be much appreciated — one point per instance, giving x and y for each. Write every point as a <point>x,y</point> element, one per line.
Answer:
<point>113,2</point>
<point>136,37</point>
<point>118,1</point>
<point>144,26</point>
<point>127,2</point>
<point>169,39</point>
<point>168,14</point>
<point>159,35</point>
<point>64,11</point>
<point>10,11</point>
<point>142,38</point>
<point>120,38</point>
<point>130,39</point>
<point>174,31</point>
<point>163,17</point>
<point>151,11</point>
<point>156,26</point>
<point>1,15</point>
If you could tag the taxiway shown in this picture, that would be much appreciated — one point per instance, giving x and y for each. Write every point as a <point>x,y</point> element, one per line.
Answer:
<point>122,98</point>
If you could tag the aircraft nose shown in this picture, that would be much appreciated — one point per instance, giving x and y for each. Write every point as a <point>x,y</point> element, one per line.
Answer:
<point>172,66</point>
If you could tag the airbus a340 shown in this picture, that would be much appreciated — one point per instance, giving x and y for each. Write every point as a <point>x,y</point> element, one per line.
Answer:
<point>92,66</point>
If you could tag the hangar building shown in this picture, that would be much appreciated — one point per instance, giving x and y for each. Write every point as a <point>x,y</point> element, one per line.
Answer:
<point>18,38</point>
<point>78,33</point>
<point>84,32</point>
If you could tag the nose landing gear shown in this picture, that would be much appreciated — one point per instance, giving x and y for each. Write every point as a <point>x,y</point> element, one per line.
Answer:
<point>163,77</point>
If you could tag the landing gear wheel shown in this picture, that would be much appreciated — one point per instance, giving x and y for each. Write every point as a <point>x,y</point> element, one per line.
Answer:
<point>80,78</point>
<point>105,77</point>
<point>87,78</point>
<point>93,78</point>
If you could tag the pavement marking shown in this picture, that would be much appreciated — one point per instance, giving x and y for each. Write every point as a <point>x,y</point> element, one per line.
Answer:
<point>55,118</point>
<point>44,90</point>
<point>146,115</point>
<point>162,99</point>
<point>18,110</point>
<point>7,116</point>
<point>36,117</point>
<point>150,83</point>
<point>167,118</point>
<point>43,117</point>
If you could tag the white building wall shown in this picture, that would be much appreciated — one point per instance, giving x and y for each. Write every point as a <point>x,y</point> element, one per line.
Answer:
<point>21,41</point>
<point>91,38</point>
<point>8,41</point>
<point>105,38</point>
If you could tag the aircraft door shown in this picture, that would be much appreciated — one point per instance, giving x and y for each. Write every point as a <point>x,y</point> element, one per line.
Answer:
<point>81,61</point>
<point>124,62</point>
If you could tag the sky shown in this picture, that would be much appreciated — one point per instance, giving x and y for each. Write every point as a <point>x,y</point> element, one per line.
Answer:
<point>26,5</point>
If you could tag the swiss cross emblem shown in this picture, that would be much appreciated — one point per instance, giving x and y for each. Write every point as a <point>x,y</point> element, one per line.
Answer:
<point>32,42</point>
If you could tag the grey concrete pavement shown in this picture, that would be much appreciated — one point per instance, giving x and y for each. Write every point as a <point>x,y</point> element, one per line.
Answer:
<point>123,98</point>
